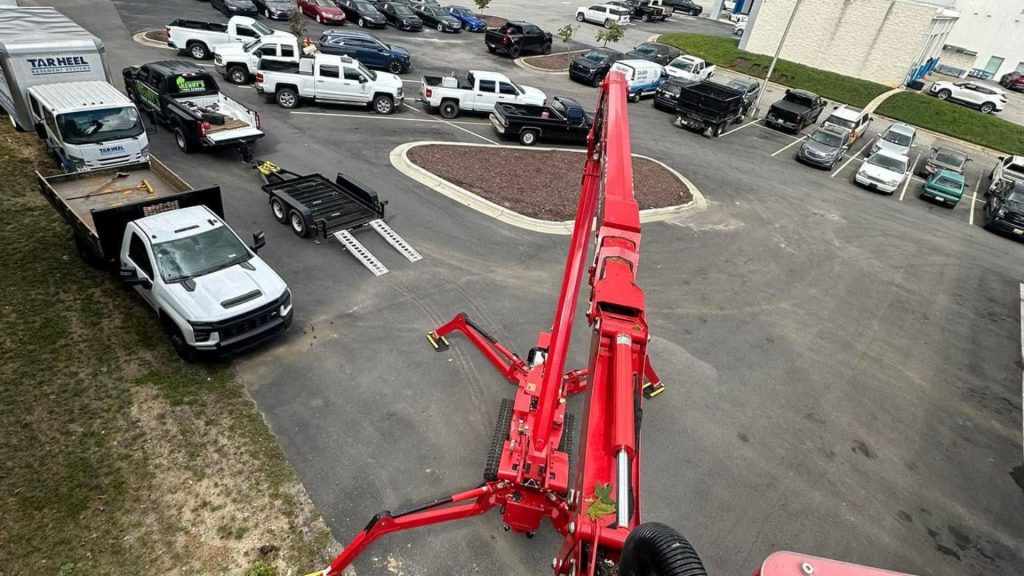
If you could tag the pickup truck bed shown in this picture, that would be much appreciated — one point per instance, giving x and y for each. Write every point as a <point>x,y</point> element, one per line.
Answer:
<point>100,203</point>
<point>463,82</point>
<point>199,25</point>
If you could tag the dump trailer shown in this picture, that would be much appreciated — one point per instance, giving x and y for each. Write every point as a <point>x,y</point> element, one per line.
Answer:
<point>42,46</point>
<point>708,107</point>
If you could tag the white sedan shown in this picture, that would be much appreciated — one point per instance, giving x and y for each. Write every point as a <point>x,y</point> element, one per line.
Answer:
<point>603,14</point>
<point>883,171</point>
<point>973,94</point>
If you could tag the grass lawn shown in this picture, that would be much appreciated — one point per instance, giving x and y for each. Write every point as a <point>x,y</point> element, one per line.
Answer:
<point>723,52</point>
<point>117,457</point>
<point>955,120</point>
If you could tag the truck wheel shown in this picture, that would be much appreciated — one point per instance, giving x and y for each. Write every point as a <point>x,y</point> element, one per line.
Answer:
<point>181,347</point>
<point>297,223</point>
<point>440,27</point>
<point>449,110</point>
<point>181,140</point>
<point>597,80</point>
<point>654,548</point>
<point>634,97</point>
<point>546,49</point>
<point>361,23</point>
<point>580,17</point>
<point>515,51</point>
<point>238,75</point>
<point>395,67</point>
<point>645,18</point>
<point>287,98</point>
<point>717,130</point>
<point>987,108</point>
<point>944,95</point>
<point>199,51</point>
<point>383,104</point>
<point>280,211</point>
<point>608,23</point>
<point>528,137</point>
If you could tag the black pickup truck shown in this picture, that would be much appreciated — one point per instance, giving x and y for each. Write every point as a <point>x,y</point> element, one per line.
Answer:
<point>708,107</point>
<point>644,10</point>
<point>515,37</point>
<point>796,110</point>
<point>1004,208</point>
<point>563,120</point>
<point>186,98</point>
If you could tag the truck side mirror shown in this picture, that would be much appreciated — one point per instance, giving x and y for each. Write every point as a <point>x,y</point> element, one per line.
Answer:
<point>259,240</point>
<point>363,80</point>
<point>131,277</point>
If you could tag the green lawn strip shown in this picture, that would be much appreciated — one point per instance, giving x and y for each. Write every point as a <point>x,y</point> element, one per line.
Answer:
<point>723,52</point>
<point>77,349</point>
<point>954,120</point>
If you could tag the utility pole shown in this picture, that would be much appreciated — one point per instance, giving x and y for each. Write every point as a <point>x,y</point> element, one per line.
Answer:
<point>782,42</point>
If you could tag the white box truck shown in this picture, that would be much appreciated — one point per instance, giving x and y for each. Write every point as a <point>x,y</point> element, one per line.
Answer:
<point>42,46</point>
<point>88,125</point>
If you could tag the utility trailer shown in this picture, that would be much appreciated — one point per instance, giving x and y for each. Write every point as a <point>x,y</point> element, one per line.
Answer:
<point>313,204</point>
<point>98,205</point>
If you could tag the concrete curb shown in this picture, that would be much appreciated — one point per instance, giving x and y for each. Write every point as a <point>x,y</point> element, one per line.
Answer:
<point>141,39</point>
<point>522,63</point>
<point>877,101</point>
<point>400,160</point>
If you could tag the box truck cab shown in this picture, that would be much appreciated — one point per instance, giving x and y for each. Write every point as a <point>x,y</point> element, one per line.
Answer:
<point>42,46</point>
<point>88,125</point>
<point>643,77</point>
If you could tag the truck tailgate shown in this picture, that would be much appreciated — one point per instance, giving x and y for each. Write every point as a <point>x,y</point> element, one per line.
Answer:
<point>223,136</point>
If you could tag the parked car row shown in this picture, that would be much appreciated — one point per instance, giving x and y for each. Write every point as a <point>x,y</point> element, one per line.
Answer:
<point>407,15</point>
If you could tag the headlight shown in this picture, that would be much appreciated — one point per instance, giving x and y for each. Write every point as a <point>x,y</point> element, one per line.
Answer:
<point>286,299</point>
<point>201,331</point>
<point>1001,212</point>
<point>77,164</point>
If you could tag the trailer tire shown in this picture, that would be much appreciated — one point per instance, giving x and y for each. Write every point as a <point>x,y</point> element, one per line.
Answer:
<point>182,140</point>
<point>287,98</point>
<point>528,137</point>
<point>198,50</point>
<point>501,429</point>
<point>237,75</point>
<point>383,104</point>
<point>654,549</point>
<point>449,109</point>
<point>279,209</point>
<point>85,251</point>
<point>297,223</point>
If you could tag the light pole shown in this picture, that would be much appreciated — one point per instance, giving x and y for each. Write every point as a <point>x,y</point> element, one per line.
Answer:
<point>782,42</point>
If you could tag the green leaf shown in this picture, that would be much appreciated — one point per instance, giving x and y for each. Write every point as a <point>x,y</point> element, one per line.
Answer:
<point>604,493</point>
<point>602,504</point>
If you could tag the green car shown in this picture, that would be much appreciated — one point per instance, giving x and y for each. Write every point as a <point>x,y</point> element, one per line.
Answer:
<point>944,187</point>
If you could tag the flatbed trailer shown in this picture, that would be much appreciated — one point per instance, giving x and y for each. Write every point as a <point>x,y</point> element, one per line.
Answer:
<point>313,204</point>
<point>99,204</point>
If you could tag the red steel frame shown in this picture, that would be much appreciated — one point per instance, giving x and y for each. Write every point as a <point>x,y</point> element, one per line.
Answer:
<point>533,480</point>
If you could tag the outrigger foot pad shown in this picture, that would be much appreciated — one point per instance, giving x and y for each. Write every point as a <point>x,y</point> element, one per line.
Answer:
<point>439,343</point>
<point>652,389</point>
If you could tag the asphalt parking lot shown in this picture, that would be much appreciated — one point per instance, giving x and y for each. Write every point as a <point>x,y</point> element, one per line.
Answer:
<point>843,368</point>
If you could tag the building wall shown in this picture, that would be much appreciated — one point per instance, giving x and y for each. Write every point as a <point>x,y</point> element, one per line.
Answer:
<point>991,28</point>
<point>877,40</point>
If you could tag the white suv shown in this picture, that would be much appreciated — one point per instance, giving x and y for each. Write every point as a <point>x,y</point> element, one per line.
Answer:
<point>970,94</point>
<point>603,14</point>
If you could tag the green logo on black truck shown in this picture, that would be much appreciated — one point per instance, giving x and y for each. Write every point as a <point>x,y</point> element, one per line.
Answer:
<point>190,85</point>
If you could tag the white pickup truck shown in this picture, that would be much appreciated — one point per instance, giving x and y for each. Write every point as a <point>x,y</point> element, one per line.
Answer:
<point>477,91</point>
<point>690,68</point>
<point>198,38</point>
<point>238,63</point>
<point>329,78</point>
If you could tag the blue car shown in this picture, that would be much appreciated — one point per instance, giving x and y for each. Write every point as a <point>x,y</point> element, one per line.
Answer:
<point>469,20</point>
<point>367,49</point>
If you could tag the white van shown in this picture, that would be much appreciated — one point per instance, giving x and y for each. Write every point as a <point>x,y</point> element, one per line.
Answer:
<point>88,125</point>
<point>643,77</point>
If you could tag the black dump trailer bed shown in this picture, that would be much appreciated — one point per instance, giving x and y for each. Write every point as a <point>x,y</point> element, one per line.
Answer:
<point>99,204</point>
<point>708,106</point>
<point>314,204</point>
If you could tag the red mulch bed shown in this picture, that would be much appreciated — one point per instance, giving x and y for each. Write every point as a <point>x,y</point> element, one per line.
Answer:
<point>558,62</point>
<point>542,184</point>
<point>156,35</point>
<point>493,21</point>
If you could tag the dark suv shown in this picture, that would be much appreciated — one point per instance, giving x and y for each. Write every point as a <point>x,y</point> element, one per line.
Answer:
<point>1004,208</point>
<point>1013,81</point>
<point>592,66</point>
<point>366,48</point>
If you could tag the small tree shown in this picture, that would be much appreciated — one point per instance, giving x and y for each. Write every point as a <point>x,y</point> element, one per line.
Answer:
<point>566,32</point>
<point>482,5</point>
<point>613,33</point>
<point>297,25</point>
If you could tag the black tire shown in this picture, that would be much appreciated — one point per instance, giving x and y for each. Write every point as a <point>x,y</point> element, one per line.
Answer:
<point>498,437</point>
<point>515,50</point>
<point>608,23</point>
<point>297,223</point>
<point>645,18</point>
<point>492,49</point>
<point>580,17</point>
<point>86,252</point>
<point>448,110</point>
<point>237,75</point>
<point>987,108</point>
<point>597,80</point>
<point>383,104</point>
<point>198,51</point>
<point>943,95</point>
<point>182,140</point>
<point>717,130</point>
<point>287,98</point>
<point>395,67</point>
<point>634,97</point>
<point>181,347</point>
<point>361,22</point>
<point>280,211</point>
<point>528,137</point>
<point>654,549</point>
<point>545,49</point>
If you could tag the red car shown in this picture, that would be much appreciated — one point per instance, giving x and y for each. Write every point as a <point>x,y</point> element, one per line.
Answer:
<point>323,11</point>
<point>1013,81</point>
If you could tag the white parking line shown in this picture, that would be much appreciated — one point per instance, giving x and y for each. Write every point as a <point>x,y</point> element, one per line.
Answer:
<point>780,150</point>
<point>1022,358</point>
<point>845,164</point>
<point>907,183</point>
<point>974,198</point>
<point>738,128</point>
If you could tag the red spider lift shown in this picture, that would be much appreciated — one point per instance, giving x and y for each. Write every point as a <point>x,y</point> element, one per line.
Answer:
<point>527,474</point>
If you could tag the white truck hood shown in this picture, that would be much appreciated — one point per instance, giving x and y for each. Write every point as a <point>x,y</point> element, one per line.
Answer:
<point>532,96</point>
<point>388,80</point>
<point>205,303</point>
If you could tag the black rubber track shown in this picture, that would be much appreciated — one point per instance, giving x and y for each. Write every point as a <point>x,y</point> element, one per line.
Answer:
<point>498,438</point>
<point>654,549</point>
<point>568,441</point>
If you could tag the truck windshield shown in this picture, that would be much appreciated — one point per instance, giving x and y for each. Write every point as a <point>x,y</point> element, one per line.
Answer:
<point>199,254</point>
<point>682,64</point>
<point>93,126</point>
<point>262,28</point>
